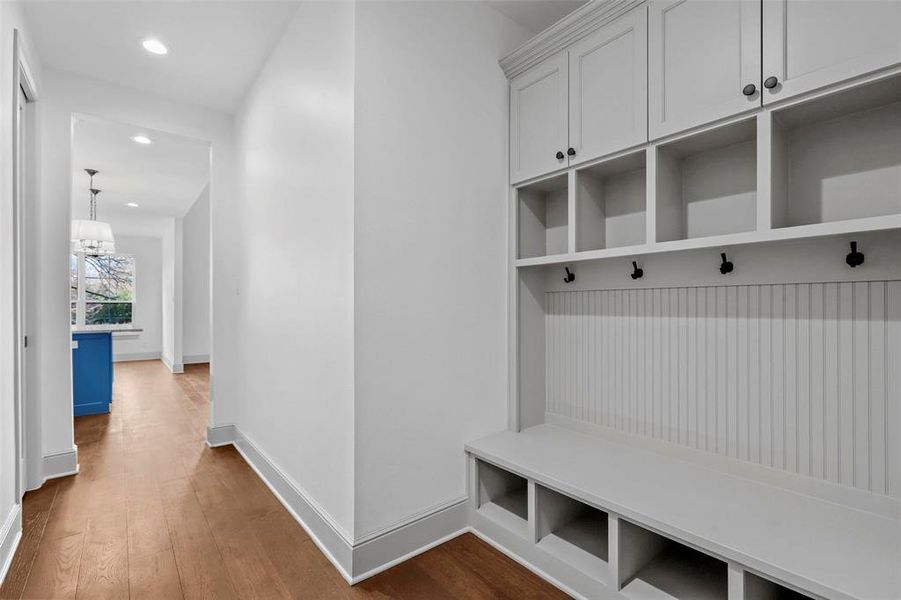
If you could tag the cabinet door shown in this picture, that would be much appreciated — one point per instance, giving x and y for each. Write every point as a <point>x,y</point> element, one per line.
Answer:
<point>538,119</point>
<point>702,56</point>
<point>608,90</point>
<point>808,45</point>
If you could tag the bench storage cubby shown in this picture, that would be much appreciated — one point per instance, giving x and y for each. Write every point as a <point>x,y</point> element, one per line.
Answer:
<point>572,531</point>
<point>503,497</point>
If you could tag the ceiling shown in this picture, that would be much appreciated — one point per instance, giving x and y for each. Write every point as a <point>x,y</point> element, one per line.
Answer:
<point>164,178</point>
<point>216,48</point>
<point>535,15</point>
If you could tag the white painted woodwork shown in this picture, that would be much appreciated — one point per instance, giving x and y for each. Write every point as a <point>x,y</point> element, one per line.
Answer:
<point>809,45</point>
<point>838,157</point>
<point>568,528</point>
<point>678,572</point>
<point>538,119</point>
<point>611,203</point>
<point>574,26</point>
<point>700,56</point>
<point>543,218</point>
<point>608,94</point>
<point>706,184</point>
<point>795,377</point>
<point>503,497</point>
<point>819,546</point>
<point>759,588</point>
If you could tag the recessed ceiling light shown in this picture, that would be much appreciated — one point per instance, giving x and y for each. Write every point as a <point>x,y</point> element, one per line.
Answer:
<point>141,139</point>
<point>132,204</point>
<point>155,46</point>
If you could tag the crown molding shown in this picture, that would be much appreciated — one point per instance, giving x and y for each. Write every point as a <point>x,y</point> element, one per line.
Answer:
<point>564,32</point>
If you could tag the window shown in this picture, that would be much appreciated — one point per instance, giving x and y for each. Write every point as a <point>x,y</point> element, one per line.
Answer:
<point>102,290</point>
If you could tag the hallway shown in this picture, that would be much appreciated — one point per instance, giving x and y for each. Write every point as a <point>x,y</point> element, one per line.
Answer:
<point>155,513</point>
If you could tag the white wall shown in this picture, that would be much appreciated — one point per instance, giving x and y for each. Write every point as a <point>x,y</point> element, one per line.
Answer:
<point>63,95</point>
<point>148,306</point>
<point>430,259</point>
<point>10,19</point>
<point>196,280</point>
<point>172,296</point>
<point>295,321</point>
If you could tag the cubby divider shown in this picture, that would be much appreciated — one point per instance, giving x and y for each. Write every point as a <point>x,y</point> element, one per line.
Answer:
<point>543,217</point>
<point>572,531</point>
<point>652,566</point>
<point>503,497</point>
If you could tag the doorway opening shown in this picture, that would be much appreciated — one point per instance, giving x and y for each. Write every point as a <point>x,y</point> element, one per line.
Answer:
<point>143,294</point>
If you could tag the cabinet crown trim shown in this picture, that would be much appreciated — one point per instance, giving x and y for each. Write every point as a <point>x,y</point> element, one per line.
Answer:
<point>565,32</point>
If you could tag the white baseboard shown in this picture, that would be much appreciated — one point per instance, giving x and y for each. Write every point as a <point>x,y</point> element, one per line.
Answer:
<point>132,356</point>
<point>221,435</point>
<point>61,464</point>
<point>175,368</point>
<point>195,359</point>
<point>355,560</point>
<point>10,534</point>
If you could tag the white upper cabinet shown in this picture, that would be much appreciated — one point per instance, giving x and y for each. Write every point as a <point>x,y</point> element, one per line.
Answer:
<point>538,119</point>
<point>808,45</point>
<point>608,91</point>
<point>703,58</point>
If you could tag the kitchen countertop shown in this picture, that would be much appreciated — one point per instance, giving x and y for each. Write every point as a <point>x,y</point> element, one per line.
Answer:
<point>107,330</point>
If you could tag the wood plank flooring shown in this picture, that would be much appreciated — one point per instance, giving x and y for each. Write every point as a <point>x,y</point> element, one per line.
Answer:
<point>156,514</point>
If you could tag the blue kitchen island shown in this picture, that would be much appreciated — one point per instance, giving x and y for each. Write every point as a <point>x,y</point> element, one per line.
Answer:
<point>92,371</point>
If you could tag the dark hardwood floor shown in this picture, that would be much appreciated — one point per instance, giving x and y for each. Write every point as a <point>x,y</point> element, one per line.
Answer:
<point>156,514</point>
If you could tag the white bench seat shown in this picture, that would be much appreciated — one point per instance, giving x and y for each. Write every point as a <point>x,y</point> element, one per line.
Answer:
<point>824,548</point>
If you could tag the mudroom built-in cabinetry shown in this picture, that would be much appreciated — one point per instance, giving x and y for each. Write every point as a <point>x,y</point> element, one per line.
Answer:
<point>705,303</point>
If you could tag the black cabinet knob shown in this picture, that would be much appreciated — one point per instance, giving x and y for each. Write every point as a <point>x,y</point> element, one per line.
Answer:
<point>560,155</point>
<point>749,89</point>
<point>771,82</point>
<point>571,151</point>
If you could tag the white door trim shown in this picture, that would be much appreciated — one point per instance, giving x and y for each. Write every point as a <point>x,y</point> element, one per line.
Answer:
<point>24,87</point>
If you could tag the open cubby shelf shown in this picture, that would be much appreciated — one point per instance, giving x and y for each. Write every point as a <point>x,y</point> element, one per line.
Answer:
<point>829,164</point>
<point>838,157</point>
<point>652,566</point>
<point>758,588</point>
<point>543,218</point>
<point>707,183</point>
<point>503,497</point>
<point>611,203</point>
<point>572,531</point>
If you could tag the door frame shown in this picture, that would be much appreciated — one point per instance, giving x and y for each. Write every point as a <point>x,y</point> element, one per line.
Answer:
<point>23,139</point>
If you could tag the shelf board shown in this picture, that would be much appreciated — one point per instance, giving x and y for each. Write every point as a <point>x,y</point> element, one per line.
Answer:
<point>798,232</point>
<point>554,259</point>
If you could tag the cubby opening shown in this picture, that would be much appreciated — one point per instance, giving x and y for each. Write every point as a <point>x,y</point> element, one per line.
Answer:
<point>543,217</point>
<point>838,157</point>
<point>572,531</point>
<point>503,497</point>
<point>758,588</point>
<point>707,183</point>
<point>652,566</point>
<point>611,203</point>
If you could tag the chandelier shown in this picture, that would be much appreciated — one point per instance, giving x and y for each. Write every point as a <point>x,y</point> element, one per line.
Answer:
<point>90,236</point>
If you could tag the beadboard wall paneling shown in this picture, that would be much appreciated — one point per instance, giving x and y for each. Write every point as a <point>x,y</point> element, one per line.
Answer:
<point>798,377</point>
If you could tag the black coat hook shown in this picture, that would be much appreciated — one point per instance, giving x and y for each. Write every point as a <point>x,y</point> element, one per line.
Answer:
<point>725,266</point>
<point>854,258</point>
<point>570,276</point>
<point>637,272</point>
